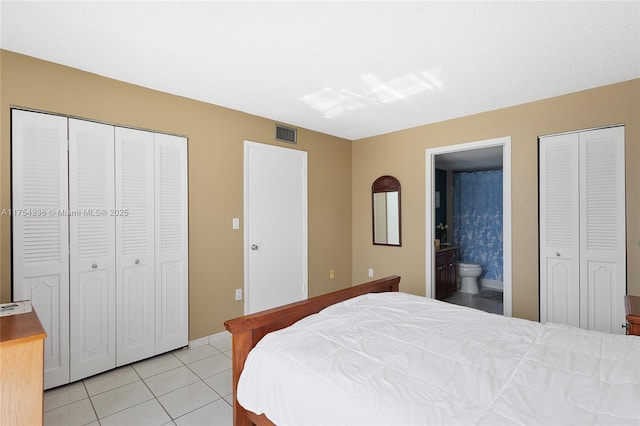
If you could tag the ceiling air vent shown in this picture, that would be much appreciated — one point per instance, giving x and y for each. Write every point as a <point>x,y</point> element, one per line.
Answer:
<point>286,134</point>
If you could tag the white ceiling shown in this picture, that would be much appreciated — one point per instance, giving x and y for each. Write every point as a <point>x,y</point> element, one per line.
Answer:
<point>349,69</point>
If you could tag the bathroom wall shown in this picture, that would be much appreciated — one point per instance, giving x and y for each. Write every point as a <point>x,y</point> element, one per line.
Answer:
<point>477,220</point>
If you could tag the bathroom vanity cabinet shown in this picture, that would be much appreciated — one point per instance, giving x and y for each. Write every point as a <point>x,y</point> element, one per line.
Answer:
<point>446,274</point>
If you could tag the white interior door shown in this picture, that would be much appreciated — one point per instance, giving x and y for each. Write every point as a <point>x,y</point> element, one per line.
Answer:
<point>582,229</point>
<point>91,248</point>
<point>602,230</point>
<point>40,231</point>
<point>559,230</point>
<point>275,226</point>
<point>135,284</point>
<point>171,242</point>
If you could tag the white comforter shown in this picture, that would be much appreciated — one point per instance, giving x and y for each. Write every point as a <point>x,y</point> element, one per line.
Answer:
<point>394,358</point>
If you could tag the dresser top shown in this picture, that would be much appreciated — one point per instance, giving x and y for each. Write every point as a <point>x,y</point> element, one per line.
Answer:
<point>20,328</point>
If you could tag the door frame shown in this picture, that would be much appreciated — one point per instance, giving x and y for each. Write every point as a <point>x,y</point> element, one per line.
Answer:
<point>248,145</point>
<point>505,142</point>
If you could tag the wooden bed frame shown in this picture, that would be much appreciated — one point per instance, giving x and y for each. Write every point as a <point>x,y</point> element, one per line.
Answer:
<point>248,330</point>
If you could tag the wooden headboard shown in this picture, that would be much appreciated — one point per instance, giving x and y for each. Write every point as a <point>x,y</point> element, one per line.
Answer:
<point>249,329</point>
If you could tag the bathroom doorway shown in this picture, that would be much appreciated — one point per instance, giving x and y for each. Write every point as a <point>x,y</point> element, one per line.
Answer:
<point>493,158</point>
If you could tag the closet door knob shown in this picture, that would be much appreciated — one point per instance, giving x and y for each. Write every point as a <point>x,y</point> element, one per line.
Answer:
<point>254,247</point>
<point>137,261</point>
<point>94,266</point>
<point>557,254</point>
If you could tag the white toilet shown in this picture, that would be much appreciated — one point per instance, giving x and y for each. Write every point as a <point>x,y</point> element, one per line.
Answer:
<point>469,273</point>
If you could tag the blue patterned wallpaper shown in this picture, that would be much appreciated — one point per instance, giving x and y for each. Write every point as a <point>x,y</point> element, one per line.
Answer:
<point>477,219</point>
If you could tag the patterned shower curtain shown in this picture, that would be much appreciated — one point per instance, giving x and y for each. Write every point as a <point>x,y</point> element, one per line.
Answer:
<point>477,219</point>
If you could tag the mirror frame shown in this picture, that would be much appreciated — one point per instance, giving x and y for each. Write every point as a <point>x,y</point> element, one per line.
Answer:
<point>386,184</point>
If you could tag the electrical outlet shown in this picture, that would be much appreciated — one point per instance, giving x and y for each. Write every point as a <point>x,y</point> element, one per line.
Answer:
<point>238,294</point>
<point>332,274</point>
<point>370,272</point>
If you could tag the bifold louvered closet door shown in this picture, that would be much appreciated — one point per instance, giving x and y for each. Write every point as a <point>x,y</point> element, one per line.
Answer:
<point>91,248</point>
<point>41,241</point>
<point>99,240</point>
<point>582,229</point>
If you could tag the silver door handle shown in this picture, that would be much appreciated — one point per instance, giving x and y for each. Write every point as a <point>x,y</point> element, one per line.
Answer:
<point>94,266</point>
<point>254,247</point>
<point>558,254</point>
<point>137,261</point>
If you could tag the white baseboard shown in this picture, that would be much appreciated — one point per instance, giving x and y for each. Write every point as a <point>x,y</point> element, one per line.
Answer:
<point>491,284</point>
<point>199,342</point>
<point>206,340</point>
<point>219,336</point>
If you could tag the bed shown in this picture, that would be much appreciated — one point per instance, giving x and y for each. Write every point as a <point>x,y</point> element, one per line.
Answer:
<point>371,355</point>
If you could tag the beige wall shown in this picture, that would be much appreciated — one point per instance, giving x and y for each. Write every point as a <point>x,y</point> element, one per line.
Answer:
<point>340,178</point>
<point>216,139</point>
<point>402,154</point>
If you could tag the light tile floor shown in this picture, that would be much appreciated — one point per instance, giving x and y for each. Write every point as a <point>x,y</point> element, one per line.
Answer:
<point>183,387</point>
<point>472,301</point>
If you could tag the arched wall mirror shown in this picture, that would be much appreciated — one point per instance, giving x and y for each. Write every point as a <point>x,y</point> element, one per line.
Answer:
<point>385,196</point>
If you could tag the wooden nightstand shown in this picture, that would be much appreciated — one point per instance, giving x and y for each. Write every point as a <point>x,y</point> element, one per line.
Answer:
<point>632,307</point>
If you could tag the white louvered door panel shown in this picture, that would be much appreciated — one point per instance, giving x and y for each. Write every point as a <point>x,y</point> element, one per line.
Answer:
<point>92,248</point>
<point>40,231</point>
<point>171,242</point>
<point>559,230</point>
<point>603,230</point>
<point>135,284</point>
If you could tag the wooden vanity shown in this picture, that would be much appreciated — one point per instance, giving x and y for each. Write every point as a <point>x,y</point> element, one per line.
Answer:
<point>21,363</point>
<point>446,271</point>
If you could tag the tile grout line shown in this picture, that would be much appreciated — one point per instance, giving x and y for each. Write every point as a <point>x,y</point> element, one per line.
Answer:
<point>90,402</point>
<point>119,387</point>
<point>154,395</point>
<point>156,398</point>
<point>137,373</point>
<point>199,379</point>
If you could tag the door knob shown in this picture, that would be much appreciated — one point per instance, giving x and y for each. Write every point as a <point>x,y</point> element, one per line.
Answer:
<point>137,261</point>
<point>558,254</point>
<point>94,266</point>
<point>254,247</point>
